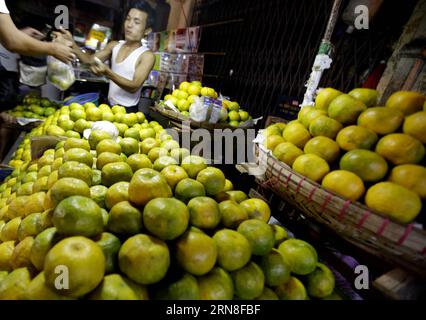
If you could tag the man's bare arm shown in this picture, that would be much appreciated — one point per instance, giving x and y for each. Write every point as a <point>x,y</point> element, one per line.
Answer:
<point>17,41</point>
<point>84,57</point>
<point>143,69</point>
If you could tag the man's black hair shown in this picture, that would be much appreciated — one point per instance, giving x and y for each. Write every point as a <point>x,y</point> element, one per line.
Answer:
<point>145,7</point>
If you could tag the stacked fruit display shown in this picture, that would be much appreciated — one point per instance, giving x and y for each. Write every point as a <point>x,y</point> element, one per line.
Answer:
<point>138,217</point>
<point>359,150</point>
<point>34,107</point>
<point>188,93</point>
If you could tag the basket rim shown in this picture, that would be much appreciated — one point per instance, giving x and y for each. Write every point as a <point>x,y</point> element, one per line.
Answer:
<point>318,186</point>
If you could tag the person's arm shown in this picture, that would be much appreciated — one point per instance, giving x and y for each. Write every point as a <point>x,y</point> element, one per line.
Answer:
<point>144,67</point>
<point>84,57</point>
<point>17,41</point>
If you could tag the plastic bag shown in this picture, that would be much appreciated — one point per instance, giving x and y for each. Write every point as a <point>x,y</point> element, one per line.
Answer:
<point>32,76</point>
<point>61,75</point>
<point>198,111</point>
<point>104,126</point>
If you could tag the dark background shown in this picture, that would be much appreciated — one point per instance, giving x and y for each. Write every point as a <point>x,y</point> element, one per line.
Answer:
<point>271,45</point>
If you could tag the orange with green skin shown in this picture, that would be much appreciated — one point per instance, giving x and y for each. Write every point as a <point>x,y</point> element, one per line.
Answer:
<point>345,109</point>
<point>204,212</point>
<point>108,145</point>
<point>324,97</point>
<point>367,165</point>
<point>132,133</point>
<point>6,253</point>
<point>193,165</point>
<point>393,200</point>
<point>356,137</point>
<point>107,157</point>
<point>300,255</point>
<point>297,134</point>
<point>31,225</point>
<point>144,259</point>
<point>110,246</point>
<point>280,234</point>
<point>381,120</point>
<point>174,174</point>
<point>325,126</point>
<point>166,218</point>
<point>98,193</point>
<point>66,187</point>
<point>114,287</point>
<point>233,249</point>
<point>310,116</point>
<point>248,281</point>
<point>321,282</point>
<point>76,143</point>
<point>234,195</point>
<point>129,146</point>
<point>399,148</point>
<point>256,209</point>
<point>272,141</point>
<point>156,153</point>
<point>116,172</point>
<point>228,185</point>
<point>148,144</point>
<point>411,176</point>
<point>85,261</point>
<point>267,294</point>
<point>77,215</point>
<point>311,166</point>
<point>213,180</point>
<point>43,242</point>
<point>323,147</point>
<point>77,170</point>
<point>407,102</point>
<point>179,154</point>
<point>232,214</point>
<point>275,268</point>
<point>344,183</point>
<point>415,125</point>
<point>368,96</point>
<point>163,162</point>
<point>291,290</point>
<point>196,252</point>
<point>97,136</point>
<point>118,192</point>
<point>187,188</point>
<point>259,234</point>
<point>124,219</point>
<point>287,152</point>
<point>216,285</point>
<point>147,184</point>
<point>186,288</point>
<point>138,161</point>
<point>21,254</point>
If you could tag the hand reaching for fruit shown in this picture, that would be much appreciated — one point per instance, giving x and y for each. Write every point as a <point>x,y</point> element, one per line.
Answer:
<point>99,68</point>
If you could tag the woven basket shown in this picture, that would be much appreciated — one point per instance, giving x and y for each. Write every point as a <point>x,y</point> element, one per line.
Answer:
<point>403,245</point>
<point>177,119</point>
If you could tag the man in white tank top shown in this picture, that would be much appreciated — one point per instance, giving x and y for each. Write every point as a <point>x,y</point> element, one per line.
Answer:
<point>131,62</point>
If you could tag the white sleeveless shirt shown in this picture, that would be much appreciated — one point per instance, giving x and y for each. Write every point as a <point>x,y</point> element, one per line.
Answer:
<point>126,69</point>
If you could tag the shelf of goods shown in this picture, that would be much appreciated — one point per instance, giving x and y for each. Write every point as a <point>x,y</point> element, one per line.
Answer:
<point>394,234</point>
<point>202,107</point>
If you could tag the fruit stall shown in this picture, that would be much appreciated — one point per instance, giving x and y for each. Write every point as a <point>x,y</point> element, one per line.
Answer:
<point>355,169</point>
<point>159,223</point>
<point>99,203</point>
